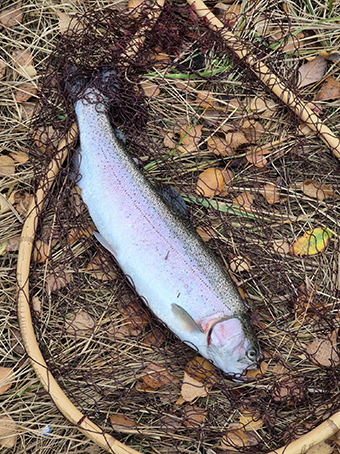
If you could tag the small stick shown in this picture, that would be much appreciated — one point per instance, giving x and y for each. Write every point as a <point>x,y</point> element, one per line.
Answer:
<point>273,82</point>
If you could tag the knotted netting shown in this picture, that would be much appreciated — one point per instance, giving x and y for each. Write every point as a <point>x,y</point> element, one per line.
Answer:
<point>261,189</point>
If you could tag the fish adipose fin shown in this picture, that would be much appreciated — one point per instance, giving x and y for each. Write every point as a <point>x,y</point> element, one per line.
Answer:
<point>104,243</point>
<point>185,319</point>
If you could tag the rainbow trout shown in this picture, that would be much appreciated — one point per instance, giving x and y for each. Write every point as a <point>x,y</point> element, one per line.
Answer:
<point>184,284</point>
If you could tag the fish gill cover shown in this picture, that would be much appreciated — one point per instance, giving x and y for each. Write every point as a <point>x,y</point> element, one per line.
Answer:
<point>261,190</point>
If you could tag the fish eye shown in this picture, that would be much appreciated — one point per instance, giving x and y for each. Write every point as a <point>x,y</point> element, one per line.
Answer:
<point>251,354</point>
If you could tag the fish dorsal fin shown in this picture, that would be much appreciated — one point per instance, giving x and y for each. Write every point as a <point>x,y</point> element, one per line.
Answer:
<point>174,199</point>
<point>228,330</point>
<point>185,319</point>
<point>104,243</point>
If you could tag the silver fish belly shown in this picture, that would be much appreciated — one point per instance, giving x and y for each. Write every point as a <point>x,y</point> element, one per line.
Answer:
<point>183,283</point>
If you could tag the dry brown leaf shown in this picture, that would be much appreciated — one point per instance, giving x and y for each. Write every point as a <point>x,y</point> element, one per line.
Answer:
<point>317,190</point>
<point>16,341</point>
<point>235,139</point>
<point>205,233</point>
<point>81,323</point>
<point>23,62</point>
<point>41,251</point>
<point>259,105</point>
<point>155,376</point>
<point>27,110</point>
<point>190,135</point>
<point>252,129</point>
<point>219,146</point>
<point>212,181</point>
<point>7,379</point>
<point>6,202</point>
<point>36,304</point>
<point>58,280</point>
<point>193,416</point>
<point>244,201</point>
<point>121,423</point>
<point>3,66</point>
<point>271,193</point>
<point>239,264</point>
<point>25,92</point>
<point>7,165</point>
<point>199,368</point>
<point>294,43</point>
<point>232,14</point>
<point>100,268</point>
<point>8,432</point>
<point>281,246</point>
<point>193,388</point>
<point>329,90</point>
<point>155,338</point>
<point>257,373</point>
<point>46,138</point>
<point>236,438</point>
<point>208,100</point>
<point>169,140</point>
<point>3,246</point>
<point>250,420</point>
<point>258,158</point>
<point>12,15</point>
<point>13,244</point>
<point>312,71</point>
<point>78,233</point>
<point>22,201</point>
<point>289,391</point>
<point>320,448</point>
<point>150,89</point>
<point>324,351</point>
<point>19,156</point>
<point>64,21</point>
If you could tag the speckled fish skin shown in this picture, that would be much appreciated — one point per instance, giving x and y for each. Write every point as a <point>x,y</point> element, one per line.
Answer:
<point>182,281</point>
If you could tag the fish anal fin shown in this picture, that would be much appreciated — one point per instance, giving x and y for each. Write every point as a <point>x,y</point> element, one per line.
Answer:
<point>185,319</point>
<point>104,243</point>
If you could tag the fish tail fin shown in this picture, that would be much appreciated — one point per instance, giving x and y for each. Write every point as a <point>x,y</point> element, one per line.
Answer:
<point>78,79</point>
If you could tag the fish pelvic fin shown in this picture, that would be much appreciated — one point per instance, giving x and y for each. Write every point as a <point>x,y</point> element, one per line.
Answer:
<point>185,319</point>
<point>104,243</point>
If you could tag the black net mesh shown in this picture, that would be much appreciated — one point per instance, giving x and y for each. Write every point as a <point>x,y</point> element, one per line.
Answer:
<point>270,185</point>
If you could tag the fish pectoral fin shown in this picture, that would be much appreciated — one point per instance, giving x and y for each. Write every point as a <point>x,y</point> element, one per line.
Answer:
<point>104,243</point>
<point>185,319</point>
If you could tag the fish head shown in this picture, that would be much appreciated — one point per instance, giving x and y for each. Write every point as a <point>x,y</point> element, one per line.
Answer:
<point>232,345</point>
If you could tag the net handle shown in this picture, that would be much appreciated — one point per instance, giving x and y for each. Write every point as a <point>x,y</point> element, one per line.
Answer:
<point>273,82</point>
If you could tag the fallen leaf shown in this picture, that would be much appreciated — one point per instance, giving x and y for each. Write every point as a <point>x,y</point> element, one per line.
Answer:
<point>239,264</point>
<point>150,89</point>
<point>79,233</point>
<point>244,201</point>
<point>329,90</point>
<point>317,190</point>
<point>232,14</point>
<point>289,391</point>
<point>236,438</point>
<point>219,146</point>
<point>190,137</point>
<point>58,280</point>
<point>294,43</point>
<point>23,62</point>
<point>334,56</point>
<point>46,138</point>
<point>324,351</point>
<point>257,373</point>
<point>3,247</point>
<point>19,156</point>
<point>22,201</point>
<point>155,338</point>
<point>205,233</point>
<point>7,165</point>
<point>27,110</point>
<point>16,341</point>
<point>100,268</point>
<point>36,304</point>
<point>64,21</point>
<point>271,193</point>
<point>252,129</point>
<point>80,324</point>
<point>320,448</point>
<point>192,388</point>
<point>3,67</point>
<point>13,244</point>
<point>250,420</point>
<point>121,423</point>
<point>155,376</point>
<point>7,379</point>
<point>169,140</point>
<point>312,71</point>
<point>199,368</point>
<point>8,432</point>
<point>281,246</point>
<point>12,15</point>
<point>193,415</point>
<point>212,181</point>
<point>235,139</point>
<point>25,92</point>
<point>311,242</point>
<point>257,158</point>
<point>41,251</point>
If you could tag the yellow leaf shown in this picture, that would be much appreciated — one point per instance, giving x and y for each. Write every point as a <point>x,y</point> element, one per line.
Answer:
<point>212,181</point>
<point>311,242</point>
